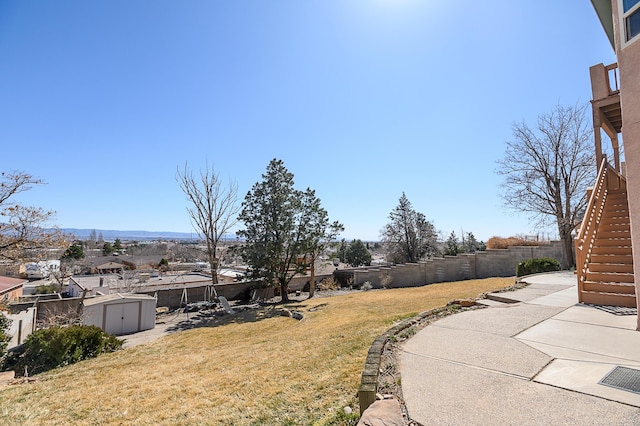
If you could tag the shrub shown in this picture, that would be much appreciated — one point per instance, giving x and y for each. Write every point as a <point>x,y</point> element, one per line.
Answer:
<point>503,243</point>
<point>46,289</point>
<point>536,266</point>
<point>328,284</point>
<point>366,286</point>
<point>4,336</point>
<point>59,346</point>
<point>386,280</point>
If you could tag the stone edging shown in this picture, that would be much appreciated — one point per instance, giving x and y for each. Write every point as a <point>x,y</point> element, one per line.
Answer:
<point>369,381</point>
<point>367,392</point>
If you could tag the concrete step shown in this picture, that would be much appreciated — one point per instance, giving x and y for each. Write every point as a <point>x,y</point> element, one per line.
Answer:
<point>615,288</point>
<point>489,302</point>
<point>611,299</point>
<point>501,297</point>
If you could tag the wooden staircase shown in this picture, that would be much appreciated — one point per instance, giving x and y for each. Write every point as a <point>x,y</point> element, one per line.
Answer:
<point>603,247</point>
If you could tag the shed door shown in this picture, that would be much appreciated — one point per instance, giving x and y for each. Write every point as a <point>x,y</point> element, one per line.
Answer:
<point>122,318</point>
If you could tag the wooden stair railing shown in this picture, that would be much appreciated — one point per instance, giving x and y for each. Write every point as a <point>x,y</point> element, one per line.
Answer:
<point>587,234</point>
<point>604,264</point>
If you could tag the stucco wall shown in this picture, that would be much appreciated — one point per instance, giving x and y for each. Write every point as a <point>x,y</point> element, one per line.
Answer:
<point>490,263</point>
<point>12,295</point>
<point>22,325</point>
<point>171,297</point>
<point>232,291</point>
<point>629,69</point>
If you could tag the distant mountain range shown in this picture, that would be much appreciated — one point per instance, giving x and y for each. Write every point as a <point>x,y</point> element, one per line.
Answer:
<point>112,234</point>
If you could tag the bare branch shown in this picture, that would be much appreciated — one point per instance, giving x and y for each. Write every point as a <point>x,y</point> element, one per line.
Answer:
<point>213,208</point>
<point>546,170</point>
<point>22,235</point>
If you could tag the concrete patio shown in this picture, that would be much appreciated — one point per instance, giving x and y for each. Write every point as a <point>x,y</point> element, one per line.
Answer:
<point>534,356</point>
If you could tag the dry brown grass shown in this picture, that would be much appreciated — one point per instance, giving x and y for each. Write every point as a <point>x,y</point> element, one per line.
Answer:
<point>258,368</point>
<point>504,243</point>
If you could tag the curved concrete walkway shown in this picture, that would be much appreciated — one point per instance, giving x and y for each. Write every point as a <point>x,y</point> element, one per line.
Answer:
<point>534,358</point>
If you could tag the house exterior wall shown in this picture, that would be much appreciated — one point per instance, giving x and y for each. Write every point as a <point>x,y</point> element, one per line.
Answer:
<point>629,69</point>
<point>12,294</point>
<point>10,288</point>
<point>94,285</point>
<point>73,288</point>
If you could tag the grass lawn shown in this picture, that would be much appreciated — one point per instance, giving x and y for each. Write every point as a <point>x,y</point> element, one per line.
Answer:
<point>255,368</point>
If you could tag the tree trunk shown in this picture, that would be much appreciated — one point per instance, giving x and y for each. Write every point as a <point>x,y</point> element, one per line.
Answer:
<point>567,245</point>
<point>213,263</point>
<point>312,281</point>
<point>284,292</point>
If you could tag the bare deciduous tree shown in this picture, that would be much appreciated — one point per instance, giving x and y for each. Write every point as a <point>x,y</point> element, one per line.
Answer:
<point>213,210</point>
<point>546,170</point>
<point>22,232</point>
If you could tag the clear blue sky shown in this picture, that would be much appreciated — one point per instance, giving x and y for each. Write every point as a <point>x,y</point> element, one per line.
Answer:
<point>362,99</point>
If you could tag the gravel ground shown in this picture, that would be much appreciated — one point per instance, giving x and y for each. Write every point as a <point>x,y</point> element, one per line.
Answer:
<point>178,320</point>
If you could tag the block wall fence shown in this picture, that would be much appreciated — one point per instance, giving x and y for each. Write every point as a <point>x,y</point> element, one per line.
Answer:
<point>483,264</point>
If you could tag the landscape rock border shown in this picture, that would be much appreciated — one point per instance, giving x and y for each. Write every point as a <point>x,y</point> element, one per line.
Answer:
<point>369,383</point>
<point>388,344</point>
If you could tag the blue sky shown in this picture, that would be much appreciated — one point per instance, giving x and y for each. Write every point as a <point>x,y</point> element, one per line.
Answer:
<point>362,99</point>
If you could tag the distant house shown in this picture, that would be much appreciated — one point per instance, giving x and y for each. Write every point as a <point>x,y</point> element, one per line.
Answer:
<point>93,285</point>
<point>230,275</point>
<point>110,268</point>
<point>11,288</point>
<point>42,269</point>
<point>105,265</point>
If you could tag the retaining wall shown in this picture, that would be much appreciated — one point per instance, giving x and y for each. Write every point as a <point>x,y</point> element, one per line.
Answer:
<point>172,298</point>
<point>484,264</point>
<point>22,324</point>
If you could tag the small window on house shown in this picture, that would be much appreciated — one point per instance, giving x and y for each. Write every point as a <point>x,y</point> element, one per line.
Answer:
<point>631,18</point>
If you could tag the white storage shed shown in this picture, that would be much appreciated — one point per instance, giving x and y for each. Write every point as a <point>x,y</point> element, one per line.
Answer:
<point>121,313</point>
